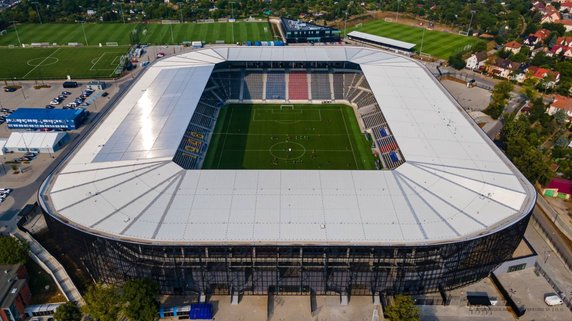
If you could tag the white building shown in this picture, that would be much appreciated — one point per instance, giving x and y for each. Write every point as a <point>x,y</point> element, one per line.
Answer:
<point>41,142</point>
<point>476,61</point>
<point>2,143</point>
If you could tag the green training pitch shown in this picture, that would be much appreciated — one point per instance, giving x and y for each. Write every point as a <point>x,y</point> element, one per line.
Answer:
<point>288,137</point>
<point>57,63</point>
<point>125,34</point>
<point>436,43</point>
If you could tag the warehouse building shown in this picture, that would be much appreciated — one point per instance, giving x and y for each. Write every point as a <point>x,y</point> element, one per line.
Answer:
<point>297,31</point>
<point>39,142</point>
<point>39,118</point>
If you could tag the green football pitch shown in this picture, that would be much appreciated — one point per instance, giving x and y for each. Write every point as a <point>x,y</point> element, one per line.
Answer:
<point>288,137</point>
<point>58,63</point>
<point>125,34</point>
<point>436,43</point>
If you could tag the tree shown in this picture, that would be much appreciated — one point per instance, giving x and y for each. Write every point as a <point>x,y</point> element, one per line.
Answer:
<point>102,302</point>
<point>402,309</point>
<point>12,250</point>
<point>139,300</point>
<point>68,312</point>
<point>456,61</point>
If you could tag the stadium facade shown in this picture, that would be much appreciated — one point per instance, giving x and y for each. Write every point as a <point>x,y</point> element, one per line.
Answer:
<point>444,209</point>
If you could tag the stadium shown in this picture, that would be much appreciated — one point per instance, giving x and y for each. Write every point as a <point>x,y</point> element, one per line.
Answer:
<point>288,170</point>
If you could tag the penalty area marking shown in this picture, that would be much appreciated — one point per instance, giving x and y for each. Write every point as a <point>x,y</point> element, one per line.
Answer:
<point>95,61</point>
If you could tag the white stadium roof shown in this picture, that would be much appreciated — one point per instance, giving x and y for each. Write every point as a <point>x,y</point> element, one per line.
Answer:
<point>454,185</point>
<point>382,40</point>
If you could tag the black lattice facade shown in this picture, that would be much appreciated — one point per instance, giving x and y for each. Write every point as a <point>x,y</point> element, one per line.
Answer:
<point>291,270</point>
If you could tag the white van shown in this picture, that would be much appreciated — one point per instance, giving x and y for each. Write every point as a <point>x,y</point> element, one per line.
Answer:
<point>553,299</point>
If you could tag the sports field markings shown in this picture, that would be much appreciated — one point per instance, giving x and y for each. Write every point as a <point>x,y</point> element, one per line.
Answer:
<point>348,135</point>
<point>32,62</point>
<point>41,62</point>
<point>224,139</point>
<point>97,61</point>
<point>289,150</point>
<point>284,112</point>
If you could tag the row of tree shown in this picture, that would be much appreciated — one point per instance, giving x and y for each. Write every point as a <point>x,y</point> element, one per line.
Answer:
<point>483,16</point>
<point>136,300</point>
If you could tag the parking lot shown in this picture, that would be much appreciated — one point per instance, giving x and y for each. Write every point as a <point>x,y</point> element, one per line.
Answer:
<point>531,294</point>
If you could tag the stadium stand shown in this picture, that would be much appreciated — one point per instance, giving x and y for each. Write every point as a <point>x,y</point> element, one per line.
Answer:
<point>276,85</point>
<point>338,86</point>
<point>298,85</point>
<point>252,85</point>
<point>321,86</point>
<point>240,83</point>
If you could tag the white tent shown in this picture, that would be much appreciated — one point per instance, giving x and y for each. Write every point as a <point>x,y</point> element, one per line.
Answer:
<point>42,142</point>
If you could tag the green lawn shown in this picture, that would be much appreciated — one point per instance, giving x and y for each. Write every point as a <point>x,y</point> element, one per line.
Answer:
<point>62,34</point>
<point>57,63</point>
<point>435,43</point>
<point>288,137</point>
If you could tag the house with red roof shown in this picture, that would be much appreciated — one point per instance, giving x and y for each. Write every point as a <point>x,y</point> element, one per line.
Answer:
<point>561,103</point>
<point>567,24</point>
<point>513,47</point>
<point>543,74</point>
<point>549,14</point>
<point>558,187</point>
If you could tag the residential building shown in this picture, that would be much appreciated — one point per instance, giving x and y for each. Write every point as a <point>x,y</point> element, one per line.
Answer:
<point>15,293</point>
<point>513,47</point>
<point>476,61</point>
<point>531,40</point>
<point>558,187</point>
<point>561,103</point>
<point>542,34</point>
<point>549,14</point>
<point>502,68</point>
<point>564,51</point>
<point>543,74</point>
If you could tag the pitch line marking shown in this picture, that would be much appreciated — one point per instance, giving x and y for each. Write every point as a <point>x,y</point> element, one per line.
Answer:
<point>348,135</point>
<point>41,62</point>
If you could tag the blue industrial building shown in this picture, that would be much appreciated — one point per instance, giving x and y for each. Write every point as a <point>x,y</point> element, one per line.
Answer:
<point>39,118</point>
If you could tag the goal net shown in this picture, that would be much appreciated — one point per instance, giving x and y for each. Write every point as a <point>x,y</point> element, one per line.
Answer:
<point>112,44</point>
<point>286,107</point>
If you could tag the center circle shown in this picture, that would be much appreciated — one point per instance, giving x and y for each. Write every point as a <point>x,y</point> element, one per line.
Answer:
<point>42,61</point>
<point>287,150</point>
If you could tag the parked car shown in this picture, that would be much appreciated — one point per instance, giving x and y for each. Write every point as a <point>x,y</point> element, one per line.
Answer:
<point>10,89</point>
<point>50,107</point>
<point>553,299</point>
<point>105,94</point>
<point>66,93</point>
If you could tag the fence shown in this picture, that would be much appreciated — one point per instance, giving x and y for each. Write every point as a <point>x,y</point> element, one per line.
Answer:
<point>567,300</point>
<point>552,239</point>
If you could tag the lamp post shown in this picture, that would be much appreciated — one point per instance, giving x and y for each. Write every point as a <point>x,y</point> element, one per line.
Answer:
<point>17,35</point>
<point>232,17</point>
<point>180,5</point>
<point>346,20</point>
<point>397,13</point>
<point>470,22</point>
<point>38,11</point>
<point>84,35</point>
<point>172,38</point>
<point>422,38</point>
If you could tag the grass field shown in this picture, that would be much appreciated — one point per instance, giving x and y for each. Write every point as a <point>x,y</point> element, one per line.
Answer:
<point>288,137</point>
<point>121,33</point>
<point>57,63</point>
<point>436,43</point>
